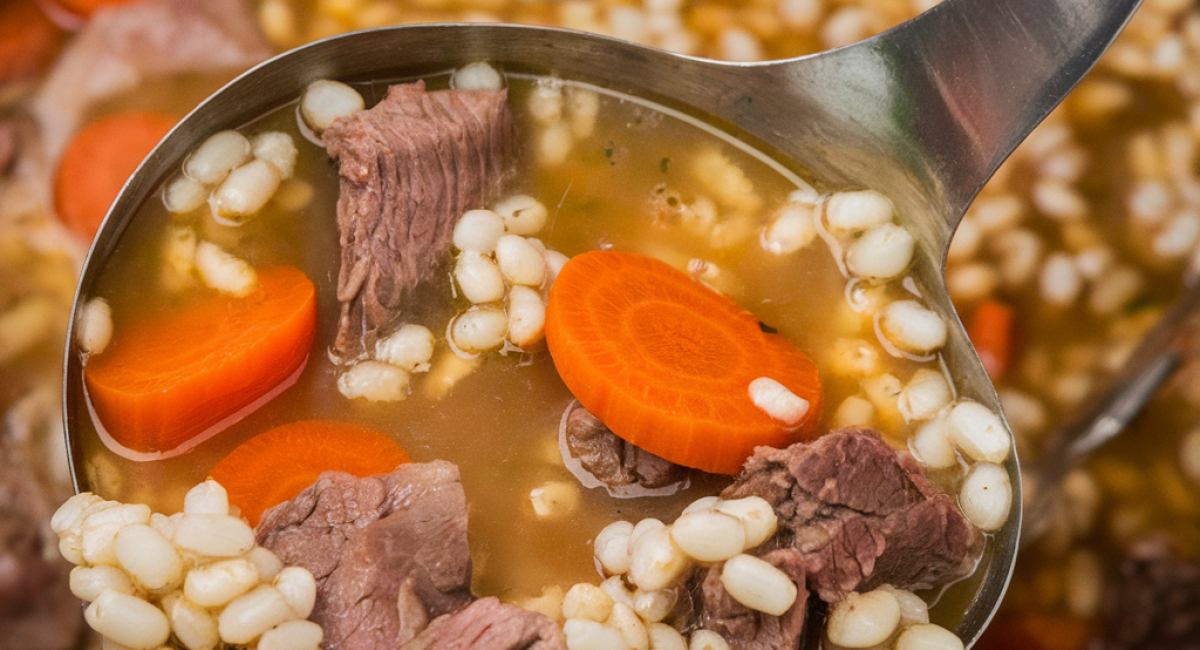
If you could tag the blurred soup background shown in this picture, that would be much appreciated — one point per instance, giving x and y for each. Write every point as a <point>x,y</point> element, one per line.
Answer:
<point>1070,254</point>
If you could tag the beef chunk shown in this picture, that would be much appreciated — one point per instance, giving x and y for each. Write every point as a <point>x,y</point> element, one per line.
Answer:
<point>1155,604</point>
<point>612,461</point>
<point>860,514</point>
<point>389,552</point>
<point>410,166</point>
<point>488,624</point>
<point>747,629</point>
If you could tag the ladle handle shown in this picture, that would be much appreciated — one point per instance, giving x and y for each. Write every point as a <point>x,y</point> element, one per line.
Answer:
<point>955,90</point>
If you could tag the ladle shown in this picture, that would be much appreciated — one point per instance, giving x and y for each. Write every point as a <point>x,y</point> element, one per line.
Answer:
<point>924,113</point>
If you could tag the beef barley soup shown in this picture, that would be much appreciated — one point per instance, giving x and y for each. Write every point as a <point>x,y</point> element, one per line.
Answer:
<point>590,310</point>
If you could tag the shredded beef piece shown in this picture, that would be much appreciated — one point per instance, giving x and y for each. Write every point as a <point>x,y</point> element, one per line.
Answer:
<point>742,627</point>
<point>861,514</point>
<point>410,167</point>
<point>488,624</point>
<point>1155,604</point>
<point>389,552</point>
<point>611,460</point>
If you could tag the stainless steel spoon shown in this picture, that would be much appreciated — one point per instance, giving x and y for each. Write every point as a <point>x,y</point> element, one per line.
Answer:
<point>924,113</point>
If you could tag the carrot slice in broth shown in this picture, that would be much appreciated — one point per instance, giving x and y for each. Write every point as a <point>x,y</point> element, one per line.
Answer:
<point>96,164</point>
<point>667,363</point>
<point>163,381</point>
<point>277,465</point>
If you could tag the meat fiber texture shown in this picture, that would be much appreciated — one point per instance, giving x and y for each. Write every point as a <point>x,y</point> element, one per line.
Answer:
<point>488,624</point>
<point>613,462</point>
<point>854,514</point>
<point>410,167</point>
<point>389,552</point>
<point>861,514</point>
<point>744,628</point>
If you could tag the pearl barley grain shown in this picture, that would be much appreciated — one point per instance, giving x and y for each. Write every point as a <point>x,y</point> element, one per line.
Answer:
<point>128,620</point>
<point>863,620</point>
<point>245,190</point>
<point>927,636</point>
<point>612,547</point>
<point>526,316</point>
<point>95,326</point>
<point>292,635</point>
<point>779,403</point>
<point>520,262</point>
<point>978,432</point>
<point>986,496</point>
<point>522,214</point>
<point>792,229</point>
<point>709,536</point>
<point>324,101</point>
<point>759,585</point>
<point>216,157</point>
<point>478,277</point>
<point>409,348</point>
<point>478,329</point>
<point>912,327</point>
<point>848,212</point>
<point>881,253</point>
<point>478,231</point>
<point>477,76</point>
<point>374,381</point>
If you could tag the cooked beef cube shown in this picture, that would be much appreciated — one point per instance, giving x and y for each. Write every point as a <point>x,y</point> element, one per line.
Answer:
<point>1155,604</point>
<point>744,628</point>
<point>611,460</point>
<point>410,166</point>
<point>389,552</point>
<point>861,514</point>
<point>488,624</point>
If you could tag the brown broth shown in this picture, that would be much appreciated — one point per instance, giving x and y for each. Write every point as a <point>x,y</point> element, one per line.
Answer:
<point>500,423</point>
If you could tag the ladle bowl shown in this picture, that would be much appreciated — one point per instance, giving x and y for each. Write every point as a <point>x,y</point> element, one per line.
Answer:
<point>924,113</point>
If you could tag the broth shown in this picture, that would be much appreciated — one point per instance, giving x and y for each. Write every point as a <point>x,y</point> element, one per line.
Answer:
<point>500,422</point>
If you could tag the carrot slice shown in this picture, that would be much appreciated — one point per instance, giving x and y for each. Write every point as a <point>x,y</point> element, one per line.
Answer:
<point>96,164</point>
<point>161,382</point>
<point>667,363</point>
<point>275,466</point>
<point>28,39</point>
<point>991,332</point>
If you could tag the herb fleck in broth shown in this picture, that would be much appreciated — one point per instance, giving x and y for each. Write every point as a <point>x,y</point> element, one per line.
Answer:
<point>620,187</point>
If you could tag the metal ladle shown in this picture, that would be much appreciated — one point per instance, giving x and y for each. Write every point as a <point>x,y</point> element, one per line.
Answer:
<point>924,113</point>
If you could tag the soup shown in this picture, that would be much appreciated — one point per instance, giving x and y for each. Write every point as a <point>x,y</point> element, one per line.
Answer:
<point>639,183</point>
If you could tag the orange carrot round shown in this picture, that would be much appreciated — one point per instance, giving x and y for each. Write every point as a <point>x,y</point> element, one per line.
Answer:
<point>28,40</point>
<point>666,362</point>
<point>96,164</point>
<point>275,466</point>
<point>164,381</point>
<point>991,332</point>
